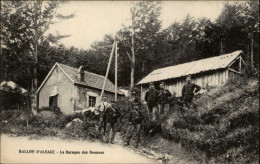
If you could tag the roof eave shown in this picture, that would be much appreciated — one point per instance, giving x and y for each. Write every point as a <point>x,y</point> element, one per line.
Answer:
<point>180,76</point>
<point>85,85</point>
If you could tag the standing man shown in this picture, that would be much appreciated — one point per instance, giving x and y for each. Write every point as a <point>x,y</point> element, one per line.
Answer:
<point>164,95</point>
<point>135,118</point>
<point>110,116</point>
<point>188,91</point>
<point>103,104</point>
<point>101,108</point>
<point>151,97</point>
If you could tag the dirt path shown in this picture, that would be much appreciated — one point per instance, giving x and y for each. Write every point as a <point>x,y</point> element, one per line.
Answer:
<point>71,151</point>
<point>161,150</point>
<point>11,146</point>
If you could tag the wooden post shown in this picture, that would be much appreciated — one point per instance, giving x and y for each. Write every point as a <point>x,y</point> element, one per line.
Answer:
<point>116,72</point>
<point>108,66</point>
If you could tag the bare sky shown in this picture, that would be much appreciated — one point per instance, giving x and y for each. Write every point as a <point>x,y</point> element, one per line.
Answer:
<point>94,19</point>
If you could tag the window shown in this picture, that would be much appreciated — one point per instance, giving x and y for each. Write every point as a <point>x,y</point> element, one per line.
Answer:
<point>92,101</point>
<point>53,101</point>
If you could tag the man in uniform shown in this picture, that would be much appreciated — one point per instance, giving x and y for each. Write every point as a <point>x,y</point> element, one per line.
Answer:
<point>135,118</point>
<point>101,108</point>
<point>188,91</point>
<point>151,97</point>
<point>110,116</point>
<point>164,95</point>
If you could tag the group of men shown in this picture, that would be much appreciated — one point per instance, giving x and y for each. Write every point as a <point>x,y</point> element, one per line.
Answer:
<point>157,101</point>
<point>109,118</point>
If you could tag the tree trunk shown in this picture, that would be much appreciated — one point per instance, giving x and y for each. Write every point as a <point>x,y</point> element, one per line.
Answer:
<point>133,53</point>
<point>34,90</point>
<point>221,46</point>
<point>143,62</point>
<point>6,69</point>
<point>34,79</point>
<point>132,79</point>
<point>252,52</point>
<point>1,67</point>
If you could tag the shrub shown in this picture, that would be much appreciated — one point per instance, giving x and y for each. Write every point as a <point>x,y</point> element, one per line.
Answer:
<point>56,110</point>
<point>12,98</point>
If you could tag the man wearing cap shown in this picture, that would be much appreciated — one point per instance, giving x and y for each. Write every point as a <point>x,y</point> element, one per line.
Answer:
<point>163,102</point>
<point>110,116</point>
<point>151,97</point>
<point>188,91</point>
<point>135,118</point>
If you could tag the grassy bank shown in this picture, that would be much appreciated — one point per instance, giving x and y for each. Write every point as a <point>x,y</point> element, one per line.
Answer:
<point>223,127</point>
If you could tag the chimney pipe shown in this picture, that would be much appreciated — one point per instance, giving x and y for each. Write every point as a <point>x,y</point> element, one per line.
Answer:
<point>81,73</point>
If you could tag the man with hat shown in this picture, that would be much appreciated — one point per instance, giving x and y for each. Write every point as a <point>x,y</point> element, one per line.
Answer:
<point>110,116</point>
<point>164,95</point>
<point>135,118</point>
<point>101,107</point>
<point>188,91</point>
<point>151,97</point>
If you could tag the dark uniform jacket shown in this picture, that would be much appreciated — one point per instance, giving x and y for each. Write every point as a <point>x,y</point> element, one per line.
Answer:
<point>164,95</point>
<point>136,115</point>
<point>111,114</point>
<point>151,97</point>
<point>187,90</point>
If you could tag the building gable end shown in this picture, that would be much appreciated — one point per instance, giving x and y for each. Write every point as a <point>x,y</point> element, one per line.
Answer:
<point>49,74</point>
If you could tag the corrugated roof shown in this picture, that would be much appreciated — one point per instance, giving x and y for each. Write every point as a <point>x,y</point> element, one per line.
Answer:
<point>190,68</point>
<point>91,79</point>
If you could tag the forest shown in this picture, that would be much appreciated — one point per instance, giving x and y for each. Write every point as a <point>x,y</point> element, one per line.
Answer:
<point>27,53</point>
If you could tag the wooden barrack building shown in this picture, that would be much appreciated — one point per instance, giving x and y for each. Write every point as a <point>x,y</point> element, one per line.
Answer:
<point>209,72</point>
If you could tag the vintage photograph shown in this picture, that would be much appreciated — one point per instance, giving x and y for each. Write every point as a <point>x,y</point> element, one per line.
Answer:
<point>170,82</point>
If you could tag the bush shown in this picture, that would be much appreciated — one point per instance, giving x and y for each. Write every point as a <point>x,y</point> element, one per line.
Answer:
<point>12,98</point>
<point>56,110</point>
<point>49,122</point>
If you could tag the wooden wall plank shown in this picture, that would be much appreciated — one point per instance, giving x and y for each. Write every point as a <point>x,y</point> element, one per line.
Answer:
<point>217,78</point>
<point>213,79</point>
<point>220,78</point>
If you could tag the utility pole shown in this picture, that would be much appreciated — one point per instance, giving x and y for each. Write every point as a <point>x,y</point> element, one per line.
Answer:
<point>108,66</point>
<point>116,72</point>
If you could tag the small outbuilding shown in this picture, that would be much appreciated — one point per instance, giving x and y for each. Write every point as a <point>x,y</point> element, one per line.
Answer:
<point>12,85</point>
<point>209,72</point>
<point>73,89</point>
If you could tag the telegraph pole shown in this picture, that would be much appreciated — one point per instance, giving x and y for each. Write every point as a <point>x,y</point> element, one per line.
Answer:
<point>116,72</point>
<point>108,66</point>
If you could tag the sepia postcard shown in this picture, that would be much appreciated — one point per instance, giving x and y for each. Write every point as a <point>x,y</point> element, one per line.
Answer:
<point>129,82</point>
